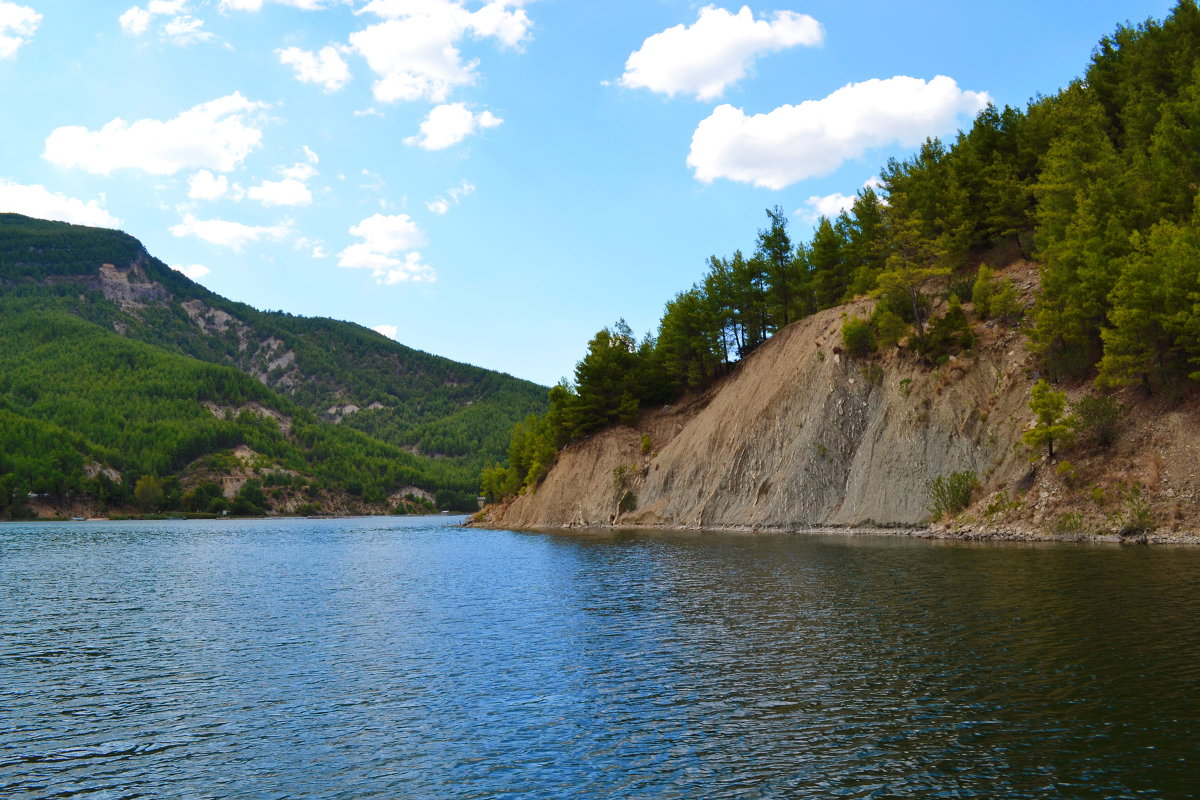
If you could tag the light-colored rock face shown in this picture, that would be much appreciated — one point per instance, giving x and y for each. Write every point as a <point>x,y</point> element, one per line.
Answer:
<point>799,436</point>
<point>130,288</point>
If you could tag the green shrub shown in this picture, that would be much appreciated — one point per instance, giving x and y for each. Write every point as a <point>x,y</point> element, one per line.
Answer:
<point>950,494</point>
<point>1097,419</point>
<point>949,334</point>
<point>889,328</point>
<point>1005,304</point>
<point>647,444</point>
<point>1069,524</point>
<point>857,337</point>
<point>628,502</point>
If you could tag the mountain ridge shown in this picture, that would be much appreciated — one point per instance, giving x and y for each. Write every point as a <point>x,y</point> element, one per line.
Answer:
<point>443,419</point>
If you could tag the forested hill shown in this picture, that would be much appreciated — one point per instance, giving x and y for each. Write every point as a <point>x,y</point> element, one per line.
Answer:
<point>1097,184</point>
<point>73,298</point>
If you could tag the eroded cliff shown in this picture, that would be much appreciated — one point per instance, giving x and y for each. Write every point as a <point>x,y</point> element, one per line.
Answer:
<point>800,436</point>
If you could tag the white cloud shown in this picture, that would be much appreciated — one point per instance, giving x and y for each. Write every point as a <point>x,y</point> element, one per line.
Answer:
<point>38,201</point>
<point>830,205</point>
<point>180,28</point>
<point>390,331</point>
<point>287,192</point>
<point>414,51</point>
<point>225,233</point>
<point>135,21</point>
<point>833,204</point>
<point>300,172</point>
<point>310,156</point>
<point>793,143</point>
<point>291,191</point>
<point>382,250</point>
<point>715,52</point>
<point>216,135</point>
<point>193,271</point>
<point>206,186</point>
<point>449,124</point>
<point>185,30</point>
<point>389,234</point>
<point>325,67</point>
<point>256,5</point>
<point>443,204</point>
<point>17,25</point>
<point>315,248</point>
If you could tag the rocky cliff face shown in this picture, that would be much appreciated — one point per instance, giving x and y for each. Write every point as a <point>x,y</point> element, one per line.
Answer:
<point>798,436</point>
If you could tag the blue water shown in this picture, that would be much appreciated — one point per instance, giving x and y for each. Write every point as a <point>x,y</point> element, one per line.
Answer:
<point>404,658</point>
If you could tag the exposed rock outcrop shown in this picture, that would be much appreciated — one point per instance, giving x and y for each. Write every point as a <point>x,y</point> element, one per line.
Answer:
<point>801,437</point>
<point>798,436</point>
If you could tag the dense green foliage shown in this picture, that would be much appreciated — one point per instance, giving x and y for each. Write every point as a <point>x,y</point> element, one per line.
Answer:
<point>136,402</point>
<point>75,397</point>
<point>1098,183</point>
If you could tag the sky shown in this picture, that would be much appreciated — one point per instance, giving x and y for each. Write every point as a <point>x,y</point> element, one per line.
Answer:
<point>492,180</point>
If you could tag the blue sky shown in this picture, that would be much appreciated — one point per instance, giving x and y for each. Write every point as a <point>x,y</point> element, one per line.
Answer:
<point>491,180</point>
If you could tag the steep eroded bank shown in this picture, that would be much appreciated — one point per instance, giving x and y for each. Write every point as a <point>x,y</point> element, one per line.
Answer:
<point>798,436</point>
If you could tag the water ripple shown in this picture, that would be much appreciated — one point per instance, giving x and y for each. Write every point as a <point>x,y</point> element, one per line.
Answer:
<point>403,658</point>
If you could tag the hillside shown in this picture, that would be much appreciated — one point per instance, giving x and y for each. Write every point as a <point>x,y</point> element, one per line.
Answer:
<point>803,436</point>
<point>1014,317</point>
<point>144,372</point>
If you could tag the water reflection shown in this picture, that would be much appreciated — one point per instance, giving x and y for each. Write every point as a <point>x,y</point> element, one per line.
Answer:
<point>404,658</point>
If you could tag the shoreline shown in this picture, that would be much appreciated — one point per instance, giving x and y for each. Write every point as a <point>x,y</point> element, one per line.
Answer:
<point>932,532</point>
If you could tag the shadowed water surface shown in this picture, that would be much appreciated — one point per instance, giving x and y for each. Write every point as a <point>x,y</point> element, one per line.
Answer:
<point>406,659</point>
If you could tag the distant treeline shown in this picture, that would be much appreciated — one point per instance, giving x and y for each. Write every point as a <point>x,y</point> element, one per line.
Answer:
<point>1098,183</point>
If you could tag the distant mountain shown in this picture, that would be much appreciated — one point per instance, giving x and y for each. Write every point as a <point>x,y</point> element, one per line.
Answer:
<point>137,370</point>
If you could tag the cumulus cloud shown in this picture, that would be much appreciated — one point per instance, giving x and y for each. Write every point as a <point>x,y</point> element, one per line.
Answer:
<point>38,201</point>
<point>715,52</point>
<point>193,271</point>
<point>792,143</point>
<point>225,233</point>
<point>215,135</point>
<point>204,185</point>
<point>326,67</point>
<point>390,331</point>
<point>453,196</point>
<point>449,124</point>
<point>17,25</point>
<point>388,249</point>
<point>414,51</point>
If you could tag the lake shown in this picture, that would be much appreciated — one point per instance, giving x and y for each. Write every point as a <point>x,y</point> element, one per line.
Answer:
<point>409,658</point>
